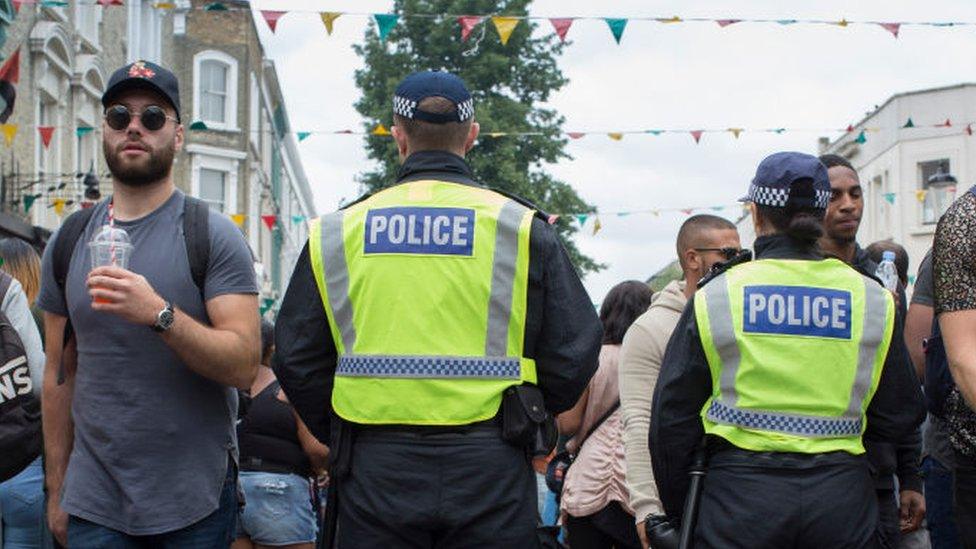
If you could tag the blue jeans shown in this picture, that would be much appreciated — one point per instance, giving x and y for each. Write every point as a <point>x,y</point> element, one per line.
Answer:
<point>938,505</point>
<point>214,531</point>
<point>278,509</point>
<point>22,505</point>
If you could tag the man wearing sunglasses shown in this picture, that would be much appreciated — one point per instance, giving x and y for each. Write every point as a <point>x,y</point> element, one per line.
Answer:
<point>900,513</point>
<point>139,438</point>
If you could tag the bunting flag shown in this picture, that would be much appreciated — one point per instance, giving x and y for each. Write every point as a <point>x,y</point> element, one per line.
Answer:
<point>296,219</point>
<point>28,202</point>
<point>198,125</point>
<point>687,211</point>
<point>655,132</point>
<point>380,129</point>
<point>81,131</point>
<point>238,220</point>
<point>505,27</point>
<point>269,220</point>
<point>850,128</point>
<point>164,5</point>
<point>893,28</point>
<point>726,22</point>
<point>9,77</point>
<point>59,206</point>
<point>385,23</point>
<point>576,135</point>
<point>909,124</point>
<point>215,6</point>
<point>107,3</point>
<point>969,129</point>
<point>920,195</point>
<point>582,219</point>
<point>597,226</point>
<point>890,197</point>
<point>328,19</point>
<point>17,4</point>
<point>9,131</point>
<point>468,23</point>
<point>616,136</point>
<point>46,133</point>
<point>946,124</point>
<point>302,136</point>
<point>271,17</point>
<point>697,135</point>
<point>911,279</point>
<point>561,26</point>
<point>266,305</point>
<point>861,138</point>
<point>617,27</point>
<point>841,23</point>
<point>735,132</point>
<point>674,19</point>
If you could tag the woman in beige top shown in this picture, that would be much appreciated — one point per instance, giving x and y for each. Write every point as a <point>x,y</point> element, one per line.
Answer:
<point>594,501</point>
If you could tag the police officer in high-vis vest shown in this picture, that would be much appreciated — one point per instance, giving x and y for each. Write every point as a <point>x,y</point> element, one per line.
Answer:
<point>782,366</point>
<point>413,321</point>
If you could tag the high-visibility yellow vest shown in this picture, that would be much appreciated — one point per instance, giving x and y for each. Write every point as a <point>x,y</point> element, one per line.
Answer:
<point>425,288</point>
<point>795,350</point>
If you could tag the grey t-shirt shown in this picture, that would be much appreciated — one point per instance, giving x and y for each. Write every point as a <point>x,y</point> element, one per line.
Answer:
<point>924,292</point>
<point>152,439</point>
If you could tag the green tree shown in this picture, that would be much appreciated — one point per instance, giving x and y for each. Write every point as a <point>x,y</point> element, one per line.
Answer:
<point>509,83</point>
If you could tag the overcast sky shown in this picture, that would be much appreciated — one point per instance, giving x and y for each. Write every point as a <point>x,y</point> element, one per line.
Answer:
<point>689,75</point>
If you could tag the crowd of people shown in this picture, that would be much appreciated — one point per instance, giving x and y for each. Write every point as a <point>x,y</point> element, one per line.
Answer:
<point>437,375</point>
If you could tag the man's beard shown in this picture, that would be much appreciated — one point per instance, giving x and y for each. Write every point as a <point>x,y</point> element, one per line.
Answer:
<point>159,166</point>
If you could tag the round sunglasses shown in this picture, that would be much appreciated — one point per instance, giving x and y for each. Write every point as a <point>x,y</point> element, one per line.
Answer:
<point>727,253</point>
<point>153,118</point>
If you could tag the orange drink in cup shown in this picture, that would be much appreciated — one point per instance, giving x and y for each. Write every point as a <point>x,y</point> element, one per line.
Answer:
<point>110,247</point>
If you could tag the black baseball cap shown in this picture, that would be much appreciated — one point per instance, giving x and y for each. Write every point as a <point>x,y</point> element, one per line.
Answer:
<point>790,179</point>
<point>144,75</point>
<point>421,85</point>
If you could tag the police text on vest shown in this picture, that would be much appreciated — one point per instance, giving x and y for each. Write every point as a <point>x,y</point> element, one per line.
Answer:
<point>797,310</point>
<point>420,230</point>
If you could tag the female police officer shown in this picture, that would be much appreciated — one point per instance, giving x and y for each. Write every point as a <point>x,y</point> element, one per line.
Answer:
<point>783,364</point>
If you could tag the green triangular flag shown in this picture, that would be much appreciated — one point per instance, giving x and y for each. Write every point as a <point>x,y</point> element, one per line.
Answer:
<point>302,136</point>
<point>861,138</point>
<point>617,27</point>
<point>53,4</point>
<point>890,197</point>
<point>655,132</point>
<point>909,124</point>
<point>83,130</point>
<point>385,23</point>
<point>28,202</point>
<point>582,219</point>
<point>214,6</point>
<point>198,125</point>
<point>297,218</point>
<point>911,279</point>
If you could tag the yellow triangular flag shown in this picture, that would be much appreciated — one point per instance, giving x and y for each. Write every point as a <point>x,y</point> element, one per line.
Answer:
<point>164,5</point>
<point>656,213</point>
<point>59,206</point>
<point>920,195</point>
<point>9,131</point>
<point>238,219</point>
<point>616,136</point>
<point>505,26</point>
<point>735,132</point>
<point>674,19</point>
<point>597,226</point>
<point>380,129</point>
<point>841,23</point>
<point>496,134</point>
<point>328,18</point>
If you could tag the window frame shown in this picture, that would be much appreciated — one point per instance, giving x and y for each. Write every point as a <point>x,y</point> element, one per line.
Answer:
<point>231,98</point>
<point>932,202</point>
<point>227,164</point>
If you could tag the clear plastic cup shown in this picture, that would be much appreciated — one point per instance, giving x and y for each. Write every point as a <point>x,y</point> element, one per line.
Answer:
<point>110,247</point>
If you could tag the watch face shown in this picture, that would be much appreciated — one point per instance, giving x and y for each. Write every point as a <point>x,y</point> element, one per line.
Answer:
<point>165,319</point>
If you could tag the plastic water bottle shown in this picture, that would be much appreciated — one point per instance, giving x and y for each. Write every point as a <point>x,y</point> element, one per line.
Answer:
<point>887,273</point>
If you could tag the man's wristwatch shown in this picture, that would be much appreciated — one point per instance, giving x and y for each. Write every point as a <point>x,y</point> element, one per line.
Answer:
<point>164,319</point>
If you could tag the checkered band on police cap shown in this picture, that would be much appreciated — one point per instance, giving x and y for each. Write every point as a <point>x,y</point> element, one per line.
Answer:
<point>777,176</point>
<point>778,198</point>
<point>421,85</point>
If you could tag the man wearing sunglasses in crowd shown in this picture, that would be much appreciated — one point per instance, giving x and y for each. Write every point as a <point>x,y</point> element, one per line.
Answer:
<point>140,442</point>
<point>901,513</point>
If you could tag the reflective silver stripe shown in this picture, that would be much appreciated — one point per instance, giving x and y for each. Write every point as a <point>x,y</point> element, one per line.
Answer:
<point>873,333</point>
<point>793,424</point>
<point>427,367</point>
<point>503,278</point>
<point>337,277</point>
<point>723,336</point>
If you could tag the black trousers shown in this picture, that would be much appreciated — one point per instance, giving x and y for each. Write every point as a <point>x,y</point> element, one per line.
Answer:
<point>964,499</point>
<point>760,500</point>
<point>609,528</point>
<point>443,491</point>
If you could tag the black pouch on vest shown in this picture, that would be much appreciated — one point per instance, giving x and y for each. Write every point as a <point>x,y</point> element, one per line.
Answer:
<point>523,414</point>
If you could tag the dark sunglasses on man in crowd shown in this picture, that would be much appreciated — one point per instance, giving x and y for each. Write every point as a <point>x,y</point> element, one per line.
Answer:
<point>152,117</point>
<point>727,253</point>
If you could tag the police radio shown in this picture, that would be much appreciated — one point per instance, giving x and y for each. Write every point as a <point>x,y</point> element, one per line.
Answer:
<point>744,256</point>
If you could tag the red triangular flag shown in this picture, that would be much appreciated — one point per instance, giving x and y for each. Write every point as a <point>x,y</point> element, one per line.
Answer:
<point>46,133</point>
<point>946,124</point>
<point>10,71</point>
<point>893,28</point>
<point>468,23</point>
<point>17,4</point>
<point>110,2</point>
<point>697,135</point>
<point>726,22</point>
<point>850,128</point>
<point>269,220</point>
<point>272,17</point>
<point>561,24</point>
<point>969,129</point>
<point>688,211</point>
<point>575,135</point>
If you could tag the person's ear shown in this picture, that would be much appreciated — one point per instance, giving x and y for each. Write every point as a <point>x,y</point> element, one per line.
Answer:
<point>472,136</point>
<point>400,137</point>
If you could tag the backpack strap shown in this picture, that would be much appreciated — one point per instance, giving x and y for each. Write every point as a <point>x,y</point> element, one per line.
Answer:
<point>64,245</point>
<point>196,233</point>
<point>5,280</point>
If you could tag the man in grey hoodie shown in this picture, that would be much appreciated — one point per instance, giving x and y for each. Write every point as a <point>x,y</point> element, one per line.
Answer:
<point>703,241</point>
